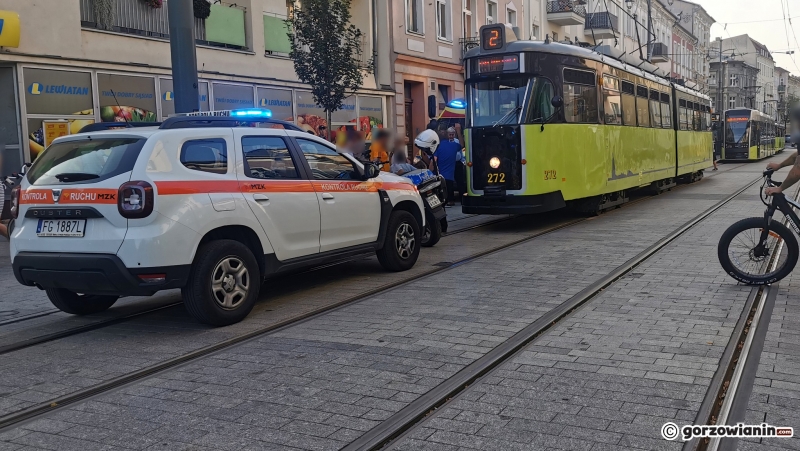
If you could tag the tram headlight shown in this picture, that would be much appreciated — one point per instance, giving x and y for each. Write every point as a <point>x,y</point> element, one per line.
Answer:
<point>494,162</point>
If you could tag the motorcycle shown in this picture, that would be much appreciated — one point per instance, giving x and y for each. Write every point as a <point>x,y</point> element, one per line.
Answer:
<point>432,189</point>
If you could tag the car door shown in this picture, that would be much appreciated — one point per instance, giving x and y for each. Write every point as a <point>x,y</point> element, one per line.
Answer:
<point>283,200</point>
<point>350,209</point>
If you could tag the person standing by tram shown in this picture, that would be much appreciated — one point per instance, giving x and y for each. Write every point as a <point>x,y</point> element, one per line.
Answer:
<point>446,157</point>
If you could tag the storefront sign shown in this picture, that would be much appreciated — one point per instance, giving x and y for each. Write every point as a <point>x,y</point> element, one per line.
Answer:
<point>53,130</point>
<point>168,97</point>
<point>10,29</point>
<point>231,97</point>
<point>57,92</point>
<point>279,101</point>
<point>126,98</point>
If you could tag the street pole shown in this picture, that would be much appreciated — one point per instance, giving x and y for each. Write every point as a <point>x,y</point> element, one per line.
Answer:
<point>184,55</point>
<point>649,28</point>
<point>720,80</point>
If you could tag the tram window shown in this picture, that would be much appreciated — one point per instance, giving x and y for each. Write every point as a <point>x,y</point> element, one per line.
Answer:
<point>541,107</point>
<point>655,109</point>
<point>642,108</point>
<point>612,102</point>
<point>628,104</point>
<point>580,103</point>
<point>684,119</point>
<point>666,113</point>
<point>580,96</point>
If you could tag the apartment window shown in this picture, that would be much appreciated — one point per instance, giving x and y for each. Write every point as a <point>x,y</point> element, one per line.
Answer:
<point>443,20</point>
<point>534,32</point>
<point>466,18</point>
<point>414,22</point>
<point>511,16</point>
<point>734,81</point>
<point>491,12</point>
<point>731,102</point>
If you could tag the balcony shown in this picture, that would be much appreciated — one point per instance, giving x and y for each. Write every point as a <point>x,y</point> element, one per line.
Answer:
<point>660,53</point>
<point>468,44</point>
<point>224,28</point>
<point>601,25</point>
<point>566,12</point>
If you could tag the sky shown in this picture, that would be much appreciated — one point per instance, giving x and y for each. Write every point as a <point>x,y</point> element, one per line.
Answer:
<point>764,23</point>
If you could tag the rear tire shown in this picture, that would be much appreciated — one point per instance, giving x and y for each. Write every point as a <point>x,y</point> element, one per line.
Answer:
<point>402,243</point>
<point>733,251</point>
<point>432,232</point>
<point>79,304</point>
<point>224,283</point>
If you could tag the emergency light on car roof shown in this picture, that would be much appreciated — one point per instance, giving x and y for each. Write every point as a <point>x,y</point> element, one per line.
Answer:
<point>458,104</point>
<point>252,112</point>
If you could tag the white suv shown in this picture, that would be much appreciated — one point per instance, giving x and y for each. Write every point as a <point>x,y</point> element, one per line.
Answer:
<point>207,205</point>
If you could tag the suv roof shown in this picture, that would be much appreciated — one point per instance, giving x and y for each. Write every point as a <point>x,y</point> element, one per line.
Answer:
<point>179,122</point>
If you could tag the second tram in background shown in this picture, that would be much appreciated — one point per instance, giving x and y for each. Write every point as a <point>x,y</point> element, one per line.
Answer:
<point>750,135</point>
<point>550,125</point>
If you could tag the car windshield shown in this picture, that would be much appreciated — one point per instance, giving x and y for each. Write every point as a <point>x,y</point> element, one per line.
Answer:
<point>737,131</point>
<point>85,161</point>
<point>497,102</point>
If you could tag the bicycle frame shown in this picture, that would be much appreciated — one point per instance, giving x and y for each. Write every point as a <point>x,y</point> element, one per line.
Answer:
<point>783,204</point>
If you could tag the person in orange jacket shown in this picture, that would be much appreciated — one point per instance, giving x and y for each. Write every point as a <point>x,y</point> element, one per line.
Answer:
<point>378,150</point>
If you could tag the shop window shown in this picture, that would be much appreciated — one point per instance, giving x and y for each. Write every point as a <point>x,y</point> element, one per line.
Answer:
<point>125,98</point>
<point>168,97</point>
<point>232,97</point>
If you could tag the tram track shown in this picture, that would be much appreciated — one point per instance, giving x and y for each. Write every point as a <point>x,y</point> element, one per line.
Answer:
<point>37,410</point>
<point>41,339</point>
<point>727,397</point>
<point>405,420</point>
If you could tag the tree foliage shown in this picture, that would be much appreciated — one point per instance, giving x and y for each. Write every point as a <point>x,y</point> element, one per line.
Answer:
<point>327,52</point>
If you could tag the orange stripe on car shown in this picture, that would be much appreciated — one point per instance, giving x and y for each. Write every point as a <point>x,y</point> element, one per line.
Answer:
<point>275,186</point>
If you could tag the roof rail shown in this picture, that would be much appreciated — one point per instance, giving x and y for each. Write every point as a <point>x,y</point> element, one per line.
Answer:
<point>100,126</point>
<point>221,121</point>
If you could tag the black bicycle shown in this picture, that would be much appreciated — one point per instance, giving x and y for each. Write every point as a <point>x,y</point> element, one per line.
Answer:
<point>761,251</point>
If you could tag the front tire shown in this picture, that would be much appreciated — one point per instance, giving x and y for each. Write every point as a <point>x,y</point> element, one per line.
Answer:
<point>402,243</point>
<point>79,304</point>
<point>224,283</point>
<point>432,232</point>
<point>741,259</point>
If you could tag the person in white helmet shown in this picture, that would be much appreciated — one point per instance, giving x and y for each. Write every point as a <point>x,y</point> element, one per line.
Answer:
<point>427,142</point>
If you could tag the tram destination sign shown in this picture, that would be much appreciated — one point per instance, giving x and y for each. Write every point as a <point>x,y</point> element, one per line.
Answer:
<point>500,63</point>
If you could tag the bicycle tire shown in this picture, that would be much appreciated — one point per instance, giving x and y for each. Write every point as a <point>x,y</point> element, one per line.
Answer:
<point>783,270</point>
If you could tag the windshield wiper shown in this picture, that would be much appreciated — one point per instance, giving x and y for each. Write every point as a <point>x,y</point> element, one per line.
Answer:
<point>75,176</point>
<point>502,120</point>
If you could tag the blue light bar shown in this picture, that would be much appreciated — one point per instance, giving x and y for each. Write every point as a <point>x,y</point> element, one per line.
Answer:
<point>458,104</point>
<point>252,112</point>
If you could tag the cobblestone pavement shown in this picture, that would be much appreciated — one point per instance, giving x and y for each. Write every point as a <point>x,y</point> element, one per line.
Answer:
<point>321,383</point>
<point>776,392</point>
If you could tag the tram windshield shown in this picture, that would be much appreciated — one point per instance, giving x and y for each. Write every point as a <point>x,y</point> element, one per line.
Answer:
<point>497,101</point>
<point>737,130</point>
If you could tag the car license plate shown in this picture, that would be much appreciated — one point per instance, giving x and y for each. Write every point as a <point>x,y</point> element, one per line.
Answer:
<point>434,201</point>
<point>61,227</point>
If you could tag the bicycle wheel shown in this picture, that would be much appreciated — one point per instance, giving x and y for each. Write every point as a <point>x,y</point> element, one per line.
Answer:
<point>743,260</point>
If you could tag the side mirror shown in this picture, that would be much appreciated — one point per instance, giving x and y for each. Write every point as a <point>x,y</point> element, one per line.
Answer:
<point>370,171</point>
<point>557,102</point>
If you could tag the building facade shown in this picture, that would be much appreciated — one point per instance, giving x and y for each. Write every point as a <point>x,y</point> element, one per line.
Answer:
<point>696,23</point>
<point>87,66</point>
<point>781,80</point>
<point>744,48</point>
<point>429,38</point>
<point>731,84</point>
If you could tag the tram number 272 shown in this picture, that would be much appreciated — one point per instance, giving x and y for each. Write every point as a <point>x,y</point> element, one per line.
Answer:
<point>497,178</point>
<point>550,175</point>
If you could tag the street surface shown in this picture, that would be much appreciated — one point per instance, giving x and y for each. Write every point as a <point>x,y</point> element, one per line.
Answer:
<point>642,351</point>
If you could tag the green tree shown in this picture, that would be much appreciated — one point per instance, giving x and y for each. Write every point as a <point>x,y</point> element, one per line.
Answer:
<point>327,52</point>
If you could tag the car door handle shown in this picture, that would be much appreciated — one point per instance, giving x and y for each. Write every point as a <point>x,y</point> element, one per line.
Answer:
<point>327,196</point>
<point>260,198</point>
